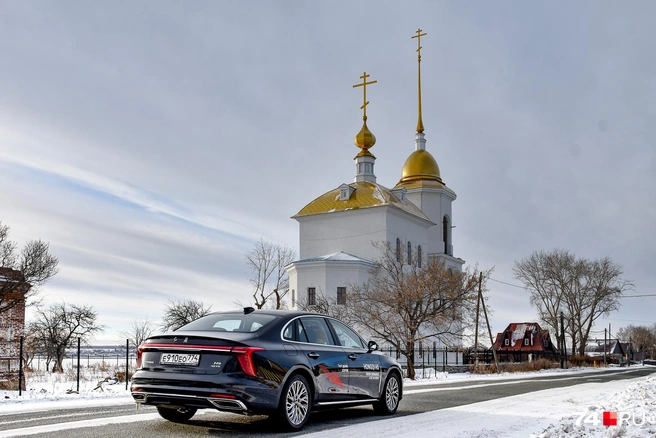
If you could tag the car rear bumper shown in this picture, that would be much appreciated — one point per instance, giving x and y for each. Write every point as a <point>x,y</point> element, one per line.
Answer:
<point>190,401</point>
<point>225,393</point>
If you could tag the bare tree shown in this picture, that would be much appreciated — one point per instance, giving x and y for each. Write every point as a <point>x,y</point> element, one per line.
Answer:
<point>56,327</point>
<point>267,262</point>
<point>403,304</point>
<point>179,313</point>
<point>547,276</point>
<point>583,289</point>
<point>22,272</point>
<point>642,337</point>
<point>139,331</point>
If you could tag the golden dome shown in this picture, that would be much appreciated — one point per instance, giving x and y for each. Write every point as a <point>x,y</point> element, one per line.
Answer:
<point>365,195</point>
<point>420,165</point>
<point>365,139</point>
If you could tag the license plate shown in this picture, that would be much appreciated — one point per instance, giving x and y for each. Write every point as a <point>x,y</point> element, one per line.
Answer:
<point>179,359</point>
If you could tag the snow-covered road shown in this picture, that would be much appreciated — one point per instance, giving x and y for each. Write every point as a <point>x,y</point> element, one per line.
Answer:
<point>551,413</point>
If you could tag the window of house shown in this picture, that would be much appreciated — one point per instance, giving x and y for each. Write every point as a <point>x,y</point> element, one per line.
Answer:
<point>526,341</point>
<point>419,256</point>
<point>312,296</point>
<point>341,295</point>
<point>293,298</point>
<point>398,249</point>
<point>506,342</point>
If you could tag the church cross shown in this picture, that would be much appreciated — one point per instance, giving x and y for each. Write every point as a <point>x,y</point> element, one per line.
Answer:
<point>364,87</point>
<point>418,36</point>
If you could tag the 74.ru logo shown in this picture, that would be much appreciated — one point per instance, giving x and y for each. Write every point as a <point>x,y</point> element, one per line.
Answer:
<point>613,418</point>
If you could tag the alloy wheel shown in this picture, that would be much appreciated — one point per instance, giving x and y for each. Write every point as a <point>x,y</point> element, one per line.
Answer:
<point>297,402</point>
<point>392,393</point>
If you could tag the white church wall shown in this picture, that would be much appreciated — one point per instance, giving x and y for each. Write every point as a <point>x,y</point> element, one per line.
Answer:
<point>325,277</point>
<point>413,231</point>
<point>435,203</point>
<point>351,232</point>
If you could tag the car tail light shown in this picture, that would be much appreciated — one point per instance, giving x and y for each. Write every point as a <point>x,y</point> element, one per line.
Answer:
<point>223,396</point>
<point>245,357</point>
<point>139,354</point>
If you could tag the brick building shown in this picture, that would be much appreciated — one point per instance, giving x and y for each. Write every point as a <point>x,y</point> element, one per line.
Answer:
<point>12,321</point>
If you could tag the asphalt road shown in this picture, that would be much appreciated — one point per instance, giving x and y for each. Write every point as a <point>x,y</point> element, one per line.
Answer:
<point>145,423</point>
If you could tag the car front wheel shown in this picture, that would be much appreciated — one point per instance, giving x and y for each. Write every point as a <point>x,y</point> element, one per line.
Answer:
<point>294,409</point>
<point>389,399</point>
<point>176,415</point>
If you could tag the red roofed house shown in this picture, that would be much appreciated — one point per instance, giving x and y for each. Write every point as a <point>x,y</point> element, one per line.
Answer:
<point>524,341</point>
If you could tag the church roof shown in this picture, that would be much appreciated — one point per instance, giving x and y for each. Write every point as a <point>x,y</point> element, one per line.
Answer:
<point>336,257</point>
<point>365,195</point>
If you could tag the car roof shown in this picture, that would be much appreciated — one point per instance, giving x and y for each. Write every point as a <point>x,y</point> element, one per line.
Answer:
<point>270,312</point>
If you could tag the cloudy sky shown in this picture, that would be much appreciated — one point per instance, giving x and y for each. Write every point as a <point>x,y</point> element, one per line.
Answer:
<point>152,143</point>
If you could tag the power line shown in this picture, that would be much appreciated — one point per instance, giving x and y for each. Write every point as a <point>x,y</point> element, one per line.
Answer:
<point>522,287</point>
<point>638,296</point>
<point>508,284</point>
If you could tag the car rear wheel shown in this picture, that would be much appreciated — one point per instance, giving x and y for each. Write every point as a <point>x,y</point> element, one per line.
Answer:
<point>389,399</point>
<point>176,415</point>
<point>294,409</point>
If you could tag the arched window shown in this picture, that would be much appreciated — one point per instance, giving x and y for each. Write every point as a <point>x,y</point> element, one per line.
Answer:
<point>419,256</point>
<point>409,253</point>
<point>445,233</point>
<point>398,249</point>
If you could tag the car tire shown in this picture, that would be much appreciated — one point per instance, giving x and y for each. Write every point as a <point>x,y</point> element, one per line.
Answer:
<point>389,399</point>
<point>295,403</point>
<point>176,415</point>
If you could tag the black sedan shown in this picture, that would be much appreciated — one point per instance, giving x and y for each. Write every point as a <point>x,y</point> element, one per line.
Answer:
<point>283,364</point>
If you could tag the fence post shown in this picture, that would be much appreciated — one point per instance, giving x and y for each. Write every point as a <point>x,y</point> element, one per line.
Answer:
<point>127,361</point>
<point>78,365</point>
<point>20,369</point>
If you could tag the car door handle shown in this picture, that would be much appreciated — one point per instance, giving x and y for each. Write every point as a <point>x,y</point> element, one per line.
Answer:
<point>313,355</point>
<point>352,356</point>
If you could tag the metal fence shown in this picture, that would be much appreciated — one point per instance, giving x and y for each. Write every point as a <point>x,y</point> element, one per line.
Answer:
<point>487,357</point>
<point>439,359</point>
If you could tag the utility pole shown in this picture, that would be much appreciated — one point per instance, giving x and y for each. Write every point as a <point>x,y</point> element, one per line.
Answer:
<point>478,304</point>
<point>489,330</point>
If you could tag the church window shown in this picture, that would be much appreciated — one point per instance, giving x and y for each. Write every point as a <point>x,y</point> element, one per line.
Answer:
<point>293,298</point>
<point>526,341</point>
<point>312,296</point>
<point>343,195</point>
<point>409,253</point>
<point>398,249</point>
<point>506,342</point>
<point>341,295</point>
<point>445,234</point>
<point>419,256</point>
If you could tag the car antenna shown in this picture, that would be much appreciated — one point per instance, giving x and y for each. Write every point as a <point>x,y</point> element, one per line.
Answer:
<point>248,310</point>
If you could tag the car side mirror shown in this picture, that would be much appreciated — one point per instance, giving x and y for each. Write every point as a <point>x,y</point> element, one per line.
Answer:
<point>372,346</point>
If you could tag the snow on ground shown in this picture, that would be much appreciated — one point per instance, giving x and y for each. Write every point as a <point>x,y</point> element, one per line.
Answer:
<point>552,413</point>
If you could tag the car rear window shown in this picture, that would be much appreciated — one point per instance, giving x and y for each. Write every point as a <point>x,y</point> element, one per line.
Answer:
<point>230,322</point>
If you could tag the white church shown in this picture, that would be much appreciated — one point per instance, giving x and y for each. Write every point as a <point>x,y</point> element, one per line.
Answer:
<point>339,229</point>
